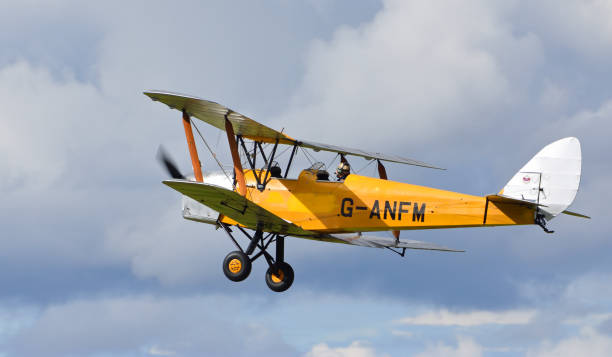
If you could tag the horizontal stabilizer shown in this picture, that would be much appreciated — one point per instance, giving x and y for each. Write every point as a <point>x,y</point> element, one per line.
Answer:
<point>236,207</point>
<point>384,242</point>
<point>505,199</point>
<point>575,214</point>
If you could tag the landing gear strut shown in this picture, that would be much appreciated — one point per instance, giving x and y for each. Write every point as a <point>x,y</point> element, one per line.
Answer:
<point>237,264</point>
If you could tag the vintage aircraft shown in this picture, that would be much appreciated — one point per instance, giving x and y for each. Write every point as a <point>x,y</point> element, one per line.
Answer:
<point>273,206</point>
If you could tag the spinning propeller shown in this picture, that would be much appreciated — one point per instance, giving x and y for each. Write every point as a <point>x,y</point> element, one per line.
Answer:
<point>169,164</point>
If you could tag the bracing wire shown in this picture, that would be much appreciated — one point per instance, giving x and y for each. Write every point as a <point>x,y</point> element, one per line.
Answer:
<point>212,153</point>
<point>218,139</point>
<point>332,160</point>
<point>306,154</point>
<point>365,167</point>
<point>314,159</point>
<point>277,156</point>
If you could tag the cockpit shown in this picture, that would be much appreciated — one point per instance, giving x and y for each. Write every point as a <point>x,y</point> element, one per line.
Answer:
<point>318,169</point>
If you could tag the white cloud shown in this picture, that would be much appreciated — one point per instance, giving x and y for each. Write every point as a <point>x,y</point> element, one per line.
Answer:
<point>582,26</point>
<point>466,347</point>
<point>587,343</point>
<point>593,290</point>
<point>422,69</point>
<point>402,333</point>
<point>474,318</point>
<point>194,326</point>
<point>586,124</point>
<point>78,157</point>
<point>355,349</point>
<point>14,318</point>
<point>156,351</point>
<point>593,319</point>
<point>164,246</point>
<point>40,130</point>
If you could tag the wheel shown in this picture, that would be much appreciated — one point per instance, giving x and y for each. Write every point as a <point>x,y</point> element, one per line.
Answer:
<point>279,277</point>
<point>236,266</point>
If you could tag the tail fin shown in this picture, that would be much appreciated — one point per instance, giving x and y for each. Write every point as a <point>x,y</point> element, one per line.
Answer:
<point>550,179</point>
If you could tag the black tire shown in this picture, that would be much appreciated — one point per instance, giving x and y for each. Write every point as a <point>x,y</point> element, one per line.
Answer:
<point>279,277</point>
<point>236,266</point>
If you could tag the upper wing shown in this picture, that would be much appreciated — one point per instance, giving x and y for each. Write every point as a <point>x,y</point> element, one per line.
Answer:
<point>214,114</point>
<point>383,242</point>
<point>236,207</point>
<point>365,154</point>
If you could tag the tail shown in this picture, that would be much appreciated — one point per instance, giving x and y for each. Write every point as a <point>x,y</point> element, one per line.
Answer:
<point>550,179</point>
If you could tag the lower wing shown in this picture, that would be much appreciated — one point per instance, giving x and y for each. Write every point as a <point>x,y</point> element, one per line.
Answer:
<point>236,207</point>
<point>388,242</point>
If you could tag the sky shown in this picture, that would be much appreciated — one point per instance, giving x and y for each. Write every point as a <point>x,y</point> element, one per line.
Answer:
<point>96,260</point>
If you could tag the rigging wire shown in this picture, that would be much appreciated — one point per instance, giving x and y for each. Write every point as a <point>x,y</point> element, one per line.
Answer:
<point>365,167</point>
<point>314,159</point>
<point>306,154</point>
<point>332,160</point>
<point>218,138</point>
<point>277,156</point>
<point>211,152</point>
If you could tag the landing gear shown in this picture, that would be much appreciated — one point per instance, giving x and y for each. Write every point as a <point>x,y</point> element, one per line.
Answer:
<point>279,277</point>
<point>237,264</point>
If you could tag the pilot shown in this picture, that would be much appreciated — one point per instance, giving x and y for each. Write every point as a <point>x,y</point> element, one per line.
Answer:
<point>343,170</point>
<point>275,171</point>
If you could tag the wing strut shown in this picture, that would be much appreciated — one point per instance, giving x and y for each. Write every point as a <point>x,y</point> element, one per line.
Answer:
<point>193,152</point>
<point>239,174</point>
<point>382,173</point>
<point>295,147</point>
<point>261,182</point>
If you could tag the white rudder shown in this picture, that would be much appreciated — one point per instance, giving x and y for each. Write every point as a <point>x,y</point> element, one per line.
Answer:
<point>550,179</point>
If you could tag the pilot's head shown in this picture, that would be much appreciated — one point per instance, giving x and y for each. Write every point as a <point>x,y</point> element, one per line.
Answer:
<point>343,170</point>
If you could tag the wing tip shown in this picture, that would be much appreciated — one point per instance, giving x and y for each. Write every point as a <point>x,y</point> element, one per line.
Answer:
<point>423,164</point>
<point>443,249</point>
<point>436,168</point>
<point>175,182</point>
<point>152,93</point>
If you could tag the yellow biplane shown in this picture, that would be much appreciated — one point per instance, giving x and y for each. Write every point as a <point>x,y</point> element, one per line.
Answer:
<point>265,205</point>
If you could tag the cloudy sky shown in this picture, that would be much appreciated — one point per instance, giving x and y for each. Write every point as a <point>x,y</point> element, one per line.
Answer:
<point>95,259</point>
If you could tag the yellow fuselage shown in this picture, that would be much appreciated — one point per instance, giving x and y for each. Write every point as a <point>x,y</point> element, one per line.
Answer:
<point>361,204</point>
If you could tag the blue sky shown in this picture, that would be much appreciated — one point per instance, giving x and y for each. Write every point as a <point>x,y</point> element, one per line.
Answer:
<point>95,259</point>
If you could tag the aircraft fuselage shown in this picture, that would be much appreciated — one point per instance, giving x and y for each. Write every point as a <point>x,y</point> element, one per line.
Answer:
<point>362,204</point>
